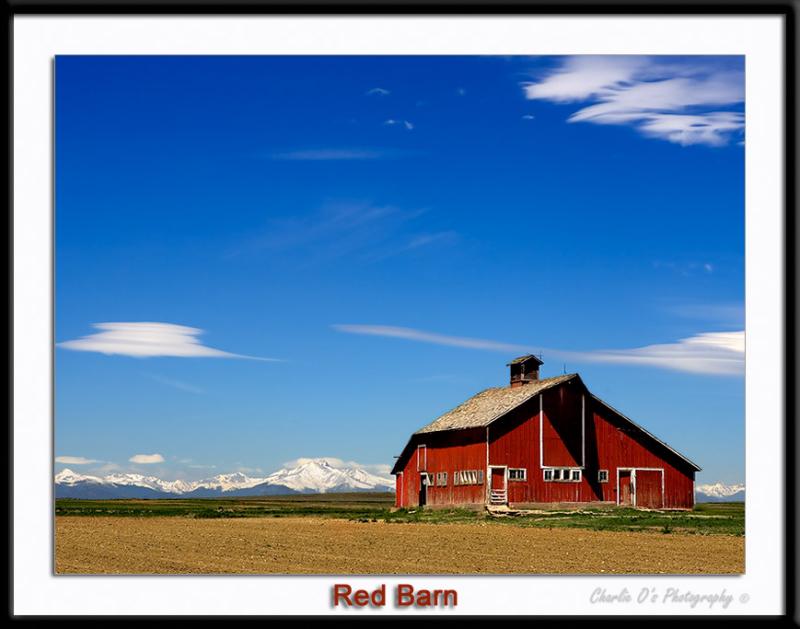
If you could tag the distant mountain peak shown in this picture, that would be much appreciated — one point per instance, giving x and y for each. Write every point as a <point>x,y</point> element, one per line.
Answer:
<point>307,476</point>
<point>720,492</point>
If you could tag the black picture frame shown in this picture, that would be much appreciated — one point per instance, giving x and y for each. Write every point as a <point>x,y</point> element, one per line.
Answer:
<point>785,8</point>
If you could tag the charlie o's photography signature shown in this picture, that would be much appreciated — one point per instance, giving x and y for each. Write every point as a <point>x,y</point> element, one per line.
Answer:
<point>671,595</point>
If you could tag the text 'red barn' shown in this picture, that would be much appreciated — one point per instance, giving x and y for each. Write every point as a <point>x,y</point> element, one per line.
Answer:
<point>540,441</point>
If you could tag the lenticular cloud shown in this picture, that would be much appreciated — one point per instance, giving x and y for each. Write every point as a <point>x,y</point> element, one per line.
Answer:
<point>148,339</point>
<point>686,101</point>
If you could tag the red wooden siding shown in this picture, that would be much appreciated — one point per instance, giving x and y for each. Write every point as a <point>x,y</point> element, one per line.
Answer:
<point>457,450</point>
<point>561,434</point>
<point>648,489</point>
<point>597,439</point>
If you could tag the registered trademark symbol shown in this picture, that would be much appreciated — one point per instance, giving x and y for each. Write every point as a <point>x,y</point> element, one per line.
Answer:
<point>743,598</point>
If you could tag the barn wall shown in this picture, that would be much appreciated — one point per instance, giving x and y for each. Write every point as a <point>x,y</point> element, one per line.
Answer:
<point>624,446</point>
<point>446,452</point>
<point>514,441</point>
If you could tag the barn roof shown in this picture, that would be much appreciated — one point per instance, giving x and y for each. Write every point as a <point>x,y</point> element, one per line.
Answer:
<point>487,406</point>
<point>524,359</point>
<point>492,404</point>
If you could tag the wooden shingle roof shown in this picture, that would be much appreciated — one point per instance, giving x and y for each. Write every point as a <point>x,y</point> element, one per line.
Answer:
<point>487,406</point>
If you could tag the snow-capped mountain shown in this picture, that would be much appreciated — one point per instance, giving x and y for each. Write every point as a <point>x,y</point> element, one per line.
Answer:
<point>308,476</point>
<point>319,476</point>
<point>719,492</point>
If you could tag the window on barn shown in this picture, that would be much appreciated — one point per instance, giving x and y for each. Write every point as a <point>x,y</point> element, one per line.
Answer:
<point>517,474</point>
<point>441,479</point>
<point>564,475</point>
<point>468,477</point>
<point>602,476</point>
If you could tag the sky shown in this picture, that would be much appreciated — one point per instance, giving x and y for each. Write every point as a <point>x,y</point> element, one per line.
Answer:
<point>260,259</point>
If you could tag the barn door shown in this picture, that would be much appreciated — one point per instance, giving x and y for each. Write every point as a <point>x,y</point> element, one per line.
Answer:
<point>649,492</point>
<point>423,489</point>
<point>497,488</point>
<point>625,488</point>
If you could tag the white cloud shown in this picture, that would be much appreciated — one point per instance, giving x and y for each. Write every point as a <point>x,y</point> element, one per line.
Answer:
<point>404,123</point>
<point>146,459</point>
<point>713,353</point>
<point>528,117</point>
<point>378,91</point>
<point>674,101</point>
<point>75,460</point>
<point>320,155</point>
<point>148,339</point>
<point>717,353</point>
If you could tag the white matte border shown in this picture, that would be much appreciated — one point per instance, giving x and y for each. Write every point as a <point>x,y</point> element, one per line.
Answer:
<point>38,39</point>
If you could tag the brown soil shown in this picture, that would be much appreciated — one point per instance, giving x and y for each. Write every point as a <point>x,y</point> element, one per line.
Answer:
<point>173,545</point>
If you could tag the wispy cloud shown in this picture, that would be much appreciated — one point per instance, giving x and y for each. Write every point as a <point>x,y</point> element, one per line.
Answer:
<point>681,101</point>
<point>149,339</point>
<point>146,459</point>
<point>713,353</point>
<point>176,384</point>
<point>410,334</point>
<point>330,154</point>
<point>730,314</point>
<point>685,268</point>
<point>418,241</point>
<point>528,117</point>
<point>408,126</point>
<point>365,231</point>
<point>75,460</point>
<point>378,91</point>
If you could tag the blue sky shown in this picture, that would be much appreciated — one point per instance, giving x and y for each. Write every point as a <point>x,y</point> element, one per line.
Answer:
<point>266,258</point>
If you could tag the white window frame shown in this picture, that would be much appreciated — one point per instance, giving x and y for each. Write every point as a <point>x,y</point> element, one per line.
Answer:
<point>600,478</point>
<point>441,479</point>
<point>563,474</point>
<point>421,466</point>
<point>523,476</point>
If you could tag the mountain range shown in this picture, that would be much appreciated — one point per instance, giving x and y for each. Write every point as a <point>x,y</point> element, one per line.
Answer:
<point>719,492</point>
<point>309,476</point>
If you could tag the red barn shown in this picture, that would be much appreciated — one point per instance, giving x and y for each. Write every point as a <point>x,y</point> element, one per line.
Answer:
<point>540,441</point>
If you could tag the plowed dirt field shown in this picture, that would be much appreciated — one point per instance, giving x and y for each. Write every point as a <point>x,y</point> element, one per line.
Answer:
<point>175,545</point>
